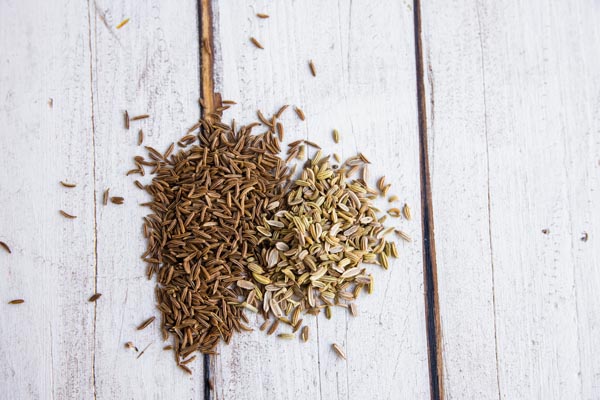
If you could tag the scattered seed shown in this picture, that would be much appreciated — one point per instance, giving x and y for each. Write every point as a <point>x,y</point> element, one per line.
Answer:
<point>304,334</point>
<point>139,184</point>
<point>336,136</point>
<point>95,297</point>
<point>287,336</point>
<point>185,368</point>
<point>545,231</point>
<point>339,351</point>
<point>105,197</point>
<point>130,345</point>
<point>66,215</point>
<point>403,235</point>
<point>5,247</point>
<point>51,102</point>
<point>169,347</point>
<point>394,212</point>
<point>313,71</point>
<point>126,120</point>
<point>122,23</point>
<point>273,327</point>
<point>353,309</point>
<point>300,113</point>
<point>406,211</point>
<point>393,198</point>
<point>68,185</point>
<point>117,200</point>
<point>261,15</point>
<point>17,301</point>
<point>140,137</point>
<point>138,117</point>
<point>144,324</point>
<point>256,43</point>
<point>584,238</point>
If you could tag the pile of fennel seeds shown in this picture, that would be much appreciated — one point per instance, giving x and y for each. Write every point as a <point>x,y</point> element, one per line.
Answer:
<point>232,231</point>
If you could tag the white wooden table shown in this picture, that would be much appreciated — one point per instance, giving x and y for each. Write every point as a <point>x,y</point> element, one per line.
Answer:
<point>485,116</point>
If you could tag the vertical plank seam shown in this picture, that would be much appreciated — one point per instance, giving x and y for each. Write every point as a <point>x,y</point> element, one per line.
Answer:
<point>94,190</point>
<point>433,324</point>
<point>206,46</point>
<point>489,201</point>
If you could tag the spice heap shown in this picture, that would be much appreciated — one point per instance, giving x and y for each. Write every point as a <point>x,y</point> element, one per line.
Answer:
<point>231,230</point>
<point>208,201</point>
<point>326,228</point>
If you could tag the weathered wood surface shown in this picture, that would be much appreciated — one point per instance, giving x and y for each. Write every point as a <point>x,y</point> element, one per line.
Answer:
<point>513,120</point>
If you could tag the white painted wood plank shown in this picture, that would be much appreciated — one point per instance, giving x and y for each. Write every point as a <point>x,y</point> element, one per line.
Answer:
<point>46,344</point>
<point>365,87</point>
<point>513,113</point>
<point>148,66</point>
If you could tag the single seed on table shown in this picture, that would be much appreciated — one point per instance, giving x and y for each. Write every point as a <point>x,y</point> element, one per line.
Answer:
<point>138,184</point>
<point>304,334</point>
<point>5,247</point>
<point>273,327</point>
<point>256,43</point>
<point>381,183</point>
<point>336,138</point>
<point>406,211</point>
<point>261,15</point>
<point>287,336</point>
<point>280,132</point>
<point>68,185</point>
<point>185,368</point>
<point>353,309</point>
<point>130,345</point>
<point>95,297</point>
<point>229,102</point>
<point>126,120</point>
<point>16,301</point>
<point>403,235</point>
<point>146,323</point>
<point>385,189</point>
<point>328,312</point>
<point>299,113</point>
<point>140,137</point>
<point>168,347</point>
<point>105,197</point>
<point>122,23</point>
<point>339,351</point>
<point>337,158</point>
<point>281,111</point>
<point>117,200</point>
<point>189,360</point>
<point>264,325</point>
<point>393,198</point>
<point>138,117</point>
<point>66,215</point>
<point>394,212</point>
<point>313,70</point>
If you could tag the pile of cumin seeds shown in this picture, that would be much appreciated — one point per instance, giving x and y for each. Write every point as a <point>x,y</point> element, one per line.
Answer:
<point>208,201</point>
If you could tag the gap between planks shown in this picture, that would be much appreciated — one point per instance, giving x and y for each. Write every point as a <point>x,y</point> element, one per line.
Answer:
<point>207,93</point>
<point>432,309</point>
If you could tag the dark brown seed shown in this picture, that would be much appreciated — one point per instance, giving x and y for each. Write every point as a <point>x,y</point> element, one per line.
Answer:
<point>105,197</point>
<point>95,297</point>
<point>117,200</point>
<point>169,347</point>
<point>146,323</point>
<point>313,71</point>
<point>300,113</point>
<point>281,111</point>
<point>130,345</point>
<point>5,247</point>
<point>17,301</point>
<point>66,215</point>
<point>140,137</point>
<point>584,237</point>
<point>261,15</point>
<point>139,184</point>
<point>230,102</point>
<point>545,231</point>
<point>256,43</point>
<point>138,117</point>
<point>126,120</point>
<point>185,368</point>
<point>68,185</point>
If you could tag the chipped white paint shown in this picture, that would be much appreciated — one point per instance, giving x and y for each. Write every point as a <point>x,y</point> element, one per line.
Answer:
<point>365,87</point>
<point>513,109</point>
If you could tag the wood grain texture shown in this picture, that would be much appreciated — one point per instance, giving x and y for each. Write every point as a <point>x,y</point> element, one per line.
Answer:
<point>46,344</point>
<point>364,87</point>
<point>150,66</point>
<point>513,121</point>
